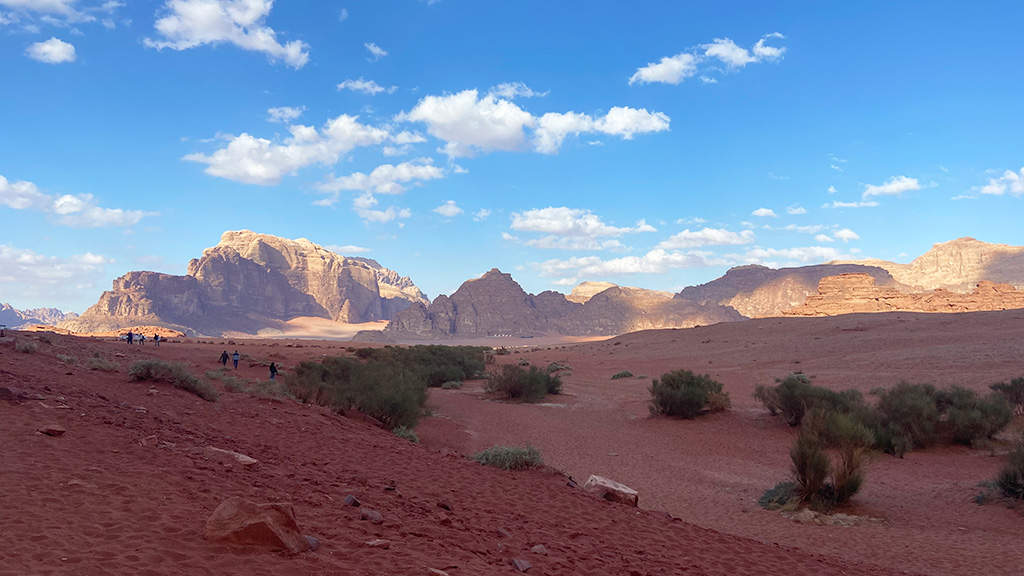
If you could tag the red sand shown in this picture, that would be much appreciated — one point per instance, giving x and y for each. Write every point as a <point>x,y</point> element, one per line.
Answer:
<point>96,501</point>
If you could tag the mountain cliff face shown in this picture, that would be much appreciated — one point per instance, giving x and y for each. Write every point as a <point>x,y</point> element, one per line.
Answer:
<point>857,293</point>
<point>14,318</point>
<point>760,292</point>
<point>495,305</point>
<point>959,265</point>
<point>247,278</point>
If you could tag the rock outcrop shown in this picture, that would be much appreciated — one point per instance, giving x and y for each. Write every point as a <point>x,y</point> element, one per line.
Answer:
<point>857,293</point>
<point>495,305</point>
<point>611,490</point>
<point>586,290</point>
<point>245,523</point>
<point>958,265</point>
<point>760,292</point>
<point>247,280</point>
<point>14,318</point>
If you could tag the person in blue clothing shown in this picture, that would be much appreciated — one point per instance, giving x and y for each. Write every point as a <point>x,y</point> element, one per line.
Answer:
<point>273,370</point>
<point>234,358</point>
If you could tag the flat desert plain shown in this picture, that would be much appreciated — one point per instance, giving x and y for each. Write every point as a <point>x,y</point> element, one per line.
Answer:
<point>127,489</point>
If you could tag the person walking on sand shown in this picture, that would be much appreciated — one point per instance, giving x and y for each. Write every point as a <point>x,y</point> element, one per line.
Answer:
<point>224,358</point>
<point>156,339</point>
<point>234,358</point>
<point>142,339</point>
<point>273,370</point>
<point>131,337</point>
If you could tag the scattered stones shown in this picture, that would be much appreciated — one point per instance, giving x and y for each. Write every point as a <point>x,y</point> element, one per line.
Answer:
<point>444,504</point>
<point>150,441</point>
<point>504,533</point>
<point>379,543</point>
<point>611,490</point>
<point>238,521</point>
<point>808,516</point>
<point>10,394</point>
<point>371,515</point>
<point>521,565</point>
<point>228,457</point>
<point>74,482</point>
<point>152,392</point>
<point>444,520</point>
<point>54,430</point>
<point>351,500</point>
<point>314,544</point>
<point>539,549</point>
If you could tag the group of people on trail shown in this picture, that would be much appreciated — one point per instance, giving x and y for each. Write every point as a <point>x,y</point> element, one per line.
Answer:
<point>224,357</point>
<point>132,337</point>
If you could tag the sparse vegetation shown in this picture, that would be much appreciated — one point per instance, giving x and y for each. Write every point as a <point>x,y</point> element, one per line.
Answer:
<point>67,359</point>
<point>176,374</point>
<point>686,395</point>
<point>513,382</point>
<point>406,433</point>
<point>232,383</point>
<point>433,364</point>
<point>557,367</point>
<point>510,457</point>
<point>1010,480</point>
<point>25,346</point>
<point>451,385</point>
<point>622,374</point>
<point>103,365</point>
<point>1013,392</point>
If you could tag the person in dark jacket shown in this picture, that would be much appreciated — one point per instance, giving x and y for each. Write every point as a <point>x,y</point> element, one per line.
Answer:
<point>224,358</point>
<point>273,370</point>
<point>234,358</point>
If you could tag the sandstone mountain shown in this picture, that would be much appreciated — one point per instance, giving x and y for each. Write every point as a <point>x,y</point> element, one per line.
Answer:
<point>586,290</point>
<point>759,292</point>
<point>249,281</point>
<point>14,318</point>
<point>495,305</point>
<point>855,293</point>
<point>958,265</point>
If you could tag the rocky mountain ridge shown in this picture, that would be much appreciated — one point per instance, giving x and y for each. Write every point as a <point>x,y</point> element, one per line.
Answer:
<point>14,318</point>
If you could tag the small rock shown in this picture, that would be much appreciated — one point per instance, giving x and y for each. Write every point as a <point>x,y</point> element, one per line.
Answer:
<point>444,520</point>
<point>611,490</point>
<point>52,430</point>
<point>313,543</point>
<point>436,572</point>
<point>351,500</point>
<point>379,543</point>
<point>74,482</point>
<point>521,565</point>
<point>806,515</point>
<point>150,441</point>
<point>229,457</point>
<point>10,394</point>
<point>151,392</point>
<point>239,521</point>
<point>371,515</point>
<point>539,549</point>
<point>444,504</point>
<point>504,533</point>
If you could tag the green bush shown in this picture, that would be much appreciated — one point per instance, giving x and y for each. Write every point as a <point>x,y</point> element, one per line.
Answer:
<point>555,367</point>
<point>529,385</point>
<point>26,346</point>
<point>434,364</point>
<point>782,496</point>
<point>910,413</point>
<point>176,374</point>
<point>1013,392</point>
<point>685,394</point>
<point>510,457</point>
<point>810,465</point>
<point>388,393</point>
<point>406,433</point>
<point>852,441</point>
<point>67,358</point>
<point>972,418</point>
<point>769,397</point>
<point>1010,480</point>
<point>451,385</point>
<point>622,374</point>
<point>795,395</point>
<point>103,365</point>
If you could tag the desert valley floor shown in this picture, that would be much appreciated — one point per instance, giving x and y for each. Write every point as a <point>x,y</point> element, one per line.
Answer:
<point>98,501</point>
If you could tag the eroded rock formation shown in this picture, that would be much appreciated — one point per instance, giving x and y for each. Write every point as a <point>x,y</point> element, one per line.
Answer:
<point>14,318</point>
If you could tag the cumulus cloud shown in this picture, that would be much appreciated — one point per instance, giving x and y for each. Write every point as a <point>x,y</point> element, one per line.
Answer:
<point>805,229</point>
<point>707,237</point>
<point>846,235</point>
<point>823,238</point>
<point>186,24</point>
<point>368,87</point>
<point>656,261</point>
<point>52,51</point>
<point>402,144</point>
<point>449,209</point>
<point>796,210</point>
<point>893,187</point>
<point>791,256</point>
<point>284,114</point>
<point>481,215</point>
<point>564,221</point>
<point>26,275</point>
<point>765,213</point>
<point>75,211</point>
<point>376,52</point>
<point>384,179</point>
<point>55,12</point>
<point>347,249</point>
<point>691,62</point>
<point>253,160</point>
<point>1010,181</point>
<point>841,204</point>
<point>626,122</point>
<point>832,190</point>
<point>510,90</point>
<point>366,207</point>
<point>576,243</point>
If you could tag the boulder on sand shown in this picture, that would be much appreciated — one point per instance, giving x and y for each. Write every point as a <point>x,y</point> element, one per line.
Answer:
<point>238,521</point>
<point>611,490</point>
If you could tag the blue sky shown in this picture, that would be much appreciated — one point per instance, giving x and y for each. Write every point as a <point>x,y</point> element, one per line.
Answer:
<point>651,144</point>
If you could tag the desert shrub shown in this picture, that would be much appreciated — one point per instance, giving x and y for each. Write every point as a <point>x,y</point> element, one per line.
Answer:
<point>780,497</point>
<point>852,441</point>
<point>769,397</point>
<point>529,385</point>
<point>26,346</point>
<point>406,433</point>
<point>685,394</point>
<point>388,393</point>
<point>972,418</point>
<point>268,389</point>
<point>232,383</point>
<point>451,385</point>
<point>910,416</point>
<point>810,465</point>
<point>434,364</point>
<point>510,457</point>
<point>796,395</point>
<point>524,362</point>
<point>326,383</point>
<point>101,364</point>
<point>173,373</point>
<point>555,367</point>
<point>1010,480</point>
<point>1013,392</point>
<point>622,374</point>
<point>67,358</point>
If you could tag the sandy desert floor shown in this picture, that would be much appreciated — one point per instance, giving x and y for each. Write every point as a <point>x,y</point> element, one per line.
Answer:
<point>97,501</point>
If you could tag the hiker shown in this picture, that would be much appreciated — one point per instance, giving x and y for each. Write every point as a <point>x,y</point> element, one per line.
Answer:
<point>131,337</point>
<point>156,339</point>
<point>142,339</point>
<point>273,370</point>
<point>224,358</point>
<point>234,358</point>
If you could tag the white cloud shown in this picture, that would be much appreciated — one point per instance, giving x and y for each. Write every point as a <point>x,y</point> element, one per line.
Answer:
<point>252,160</point>
<point>510,90</point>
<point>78,211</point>
<point>823,238</point>
<point>728,53</point>
<point>796,210</point>
<point>894,187</point>
<point>343,15</point>
<point>1010,181</point>
<point>670,70</point>
<point>564,221</point>
<point>384,179</point>
<point>836,168</point>
<point>626,122</point>
<point>449,209</point>
<point>404,141</point>
<point>52,51</point>
<point>806,229</point>
<point>53,12</point>
<point>188,24</point>
<point>656,261</point>
<point>347,249</point>
<point>765,213</point>
<point>468,123</point>
<point>832,190</point>
<point>704,78</point>
<point>791,256</point>
<point>28,276</point>
<point>284,114</point>
<point>375,51</point>
<point>846,235</point>
<point>365,86</point>
<point>707,237</point>
<point>861,204</point>
<point>365,206</point>
<point>576,243</point>
<point>481,215</point>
